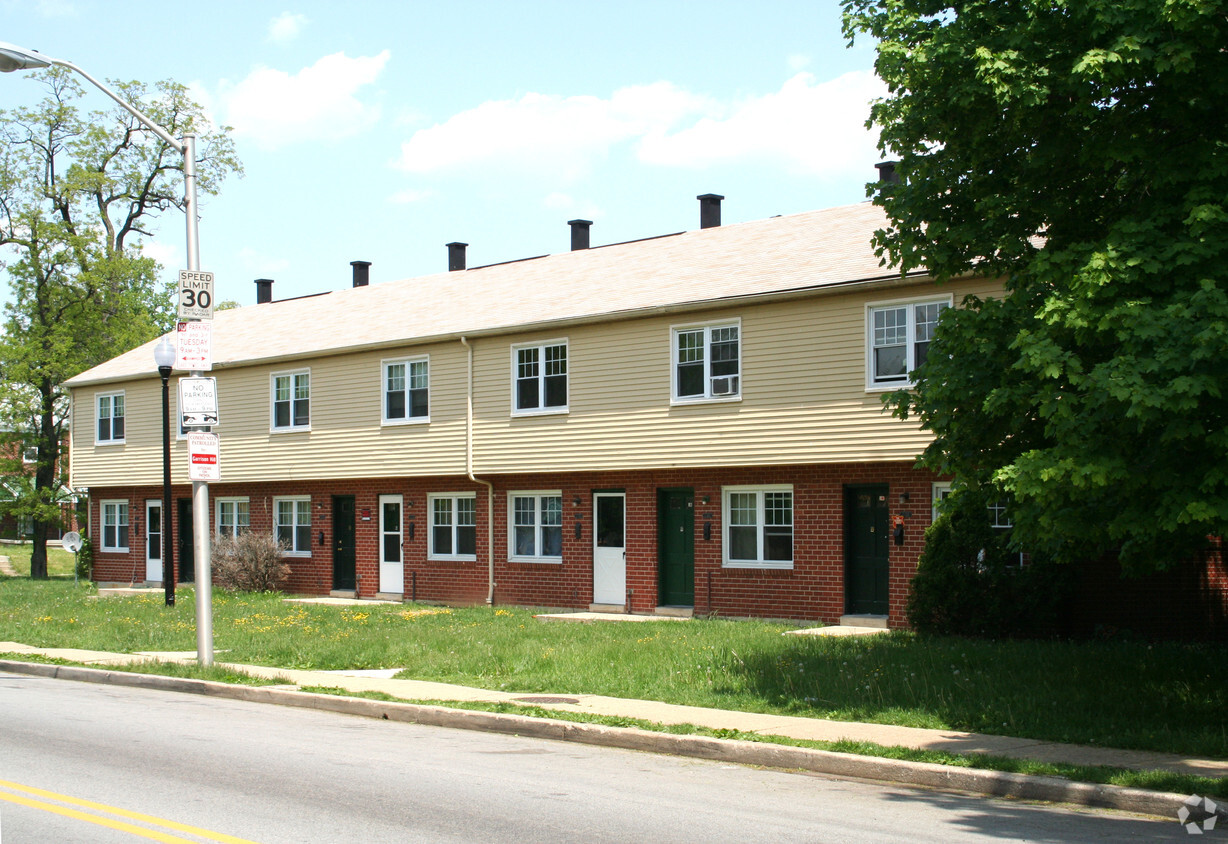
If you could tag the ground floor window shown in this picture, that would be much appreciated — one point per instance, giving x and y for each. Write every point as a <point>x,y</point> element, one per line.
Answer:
<point>758,526</point>
<point>454,531</point>
<point>115,526</point>
<point>292,523</point>
<point>536,526</point>
<point>233,516</point>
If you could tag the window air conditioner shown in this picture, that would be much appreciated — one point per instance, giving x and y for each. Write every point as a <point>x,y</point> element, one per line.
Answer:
<point>726,385</point>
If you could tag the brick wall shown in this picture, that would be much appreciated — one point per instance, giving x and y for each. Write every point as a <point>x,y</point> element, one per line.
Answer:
<point>812,589</point>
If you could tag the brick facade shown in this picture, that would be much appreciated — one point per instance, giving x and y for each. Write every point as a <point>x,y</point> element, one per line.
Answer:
<point>813,589</point>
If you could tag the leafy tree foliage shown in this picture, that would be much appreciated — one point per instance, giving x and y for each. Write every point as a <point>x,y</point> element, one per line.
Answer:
<point>77,192</point>
<point>1079,150</point>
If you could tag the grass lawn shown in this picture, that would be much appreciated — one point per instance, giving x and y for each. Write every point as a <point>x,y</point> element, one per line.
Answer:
<point>1165,696</point>
<point>59,561</point>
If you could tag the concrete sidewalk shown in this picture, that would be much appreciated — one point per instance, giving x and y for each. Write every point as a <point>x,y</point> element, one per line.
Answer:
<point>814,729</point>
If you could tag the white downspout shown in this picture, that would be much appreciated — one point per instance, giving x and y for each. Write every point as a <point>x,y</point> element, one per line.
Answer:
<point>490,488</point>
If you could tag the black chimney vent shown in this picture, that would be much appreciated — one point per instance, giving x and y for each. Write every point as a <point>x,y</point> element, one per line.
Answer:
<point>456,256</point>
<point>886,172</point>
<point>362,270</point>
<point>579,233</point>
<point>264,290</point>
<point>709,210</point>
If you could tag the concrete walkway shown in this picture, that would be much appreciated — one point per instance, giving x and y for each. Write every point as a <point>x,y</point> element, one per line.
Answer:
<point>815,729</point>
<point>6,566</point>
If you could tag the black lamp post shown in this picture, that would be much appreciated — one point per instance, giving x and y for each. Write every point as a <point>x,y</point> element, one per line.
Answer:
<point>164,357</point>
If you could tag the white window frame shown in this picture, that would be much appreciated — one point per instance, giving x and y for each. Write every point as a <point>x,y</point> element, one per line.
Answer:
<point>236,501</point>
<point>408,363</point>
<point>293,375</point>
<point>709,379</point>
<point>538,496</point>
<point>126,522</point>
<point>111,440</point>
<point>760,491</point>
<point>453,498</point>
<point>300,502</point>
<point>874,383</point>
<point>541,347</point>
<point>939,490</point>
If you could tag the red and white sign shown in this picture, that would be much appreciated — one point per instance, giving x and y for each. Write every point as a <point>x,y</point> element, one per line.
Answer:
<point>193,346</point>
<point>204,456</point>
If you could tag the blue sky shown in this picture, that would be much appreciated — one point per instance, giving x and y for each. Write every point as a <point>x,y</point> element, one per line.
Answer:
<point>381,131</point>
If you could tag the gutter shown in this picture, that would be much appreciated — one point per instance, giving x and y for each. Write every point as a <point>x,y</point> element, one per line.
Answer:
<point>490,488</point>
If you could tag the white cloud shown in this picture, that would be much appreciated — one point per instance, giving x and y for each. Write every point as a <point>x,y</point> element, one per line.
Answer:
<point>321,102</point>
<point>807,127</point>
<point>797,61</point>
<point>286,27</point>
<point>547,132</point>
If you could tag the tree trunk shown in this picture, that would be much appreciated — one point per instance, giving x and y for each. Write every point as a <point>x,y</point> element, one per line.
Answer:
<point>38,554</point>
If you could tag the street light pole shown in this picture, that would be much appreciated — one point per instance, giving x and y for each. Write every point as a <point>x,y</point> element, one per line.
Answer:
<point>164,357</point>
<point>14,58</point>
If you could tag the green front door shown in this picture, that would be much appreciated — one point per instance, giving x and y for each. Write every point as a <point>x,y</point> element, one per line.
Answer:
<point>865,550</point>
<point>343,543</point>
<point>676,547</point>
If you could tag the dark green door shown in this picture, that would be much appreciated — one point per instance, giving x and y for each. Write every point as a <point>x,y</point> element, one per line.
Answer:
<point>185,543</point>
<point>343,543</point>
<point>676,547</point>
<point>865,549</point>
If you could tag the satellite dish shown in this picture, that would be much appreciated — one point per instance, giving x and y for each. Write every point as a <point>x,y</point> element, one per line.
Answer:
<point>72,541</point>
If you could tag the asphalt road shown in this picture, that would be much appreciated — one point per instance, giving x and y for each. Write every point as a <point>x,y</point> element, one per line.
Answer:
<point>143,764</point>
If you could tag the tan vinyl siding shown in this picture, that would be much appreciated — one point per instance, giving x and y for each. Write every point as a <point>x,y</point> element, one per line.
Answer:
<point>803,394</point>
<point>346,438</point>
<point>803,400</point>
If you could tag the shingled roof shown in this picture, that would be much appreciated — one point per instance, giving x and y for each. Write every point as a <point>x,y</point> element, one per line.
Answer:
<point>793,253</point>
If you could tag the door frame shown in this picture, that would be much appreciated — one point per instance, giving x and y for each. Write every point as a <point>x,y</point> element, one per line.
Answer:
<point>685,567</point>
<point>392,572</point>
<point>150,545</point>
<point>609,560</point>
<point>340,584</point>
<point>185,539</point>
<point>878,571</point>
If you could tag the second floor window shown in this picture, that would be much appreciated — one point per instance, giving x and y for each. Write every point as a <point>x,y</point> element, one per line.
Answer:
<point>540,378</point>
<point>899,340</point>
<point>291,400</point>
<point>707,362</point>
<point>406,386</point>
<point>111,418</point>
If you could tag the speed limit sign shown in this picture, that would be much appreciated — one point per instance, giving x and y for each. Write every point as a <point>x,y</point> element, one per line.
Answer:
<point>195,295</point>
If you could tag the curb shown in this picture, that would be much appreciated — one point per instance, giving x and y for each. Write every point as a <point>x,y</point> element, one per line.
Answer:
<point>923,774</point>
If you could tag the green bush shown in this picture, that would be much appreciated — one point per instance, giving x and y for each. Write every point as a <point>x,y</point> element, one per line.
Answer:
<point>969,580</point>
<point>85,559</point>
<point>249,562</point>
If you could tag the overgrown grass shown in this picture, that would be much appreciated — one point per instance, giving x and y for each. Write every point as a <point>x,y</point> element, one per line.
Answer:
<point>1164,697</point>
<point>59,561</point>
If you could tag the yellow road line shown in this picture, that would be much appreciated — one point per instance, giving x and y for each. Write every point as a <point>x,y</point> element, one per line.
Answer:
<point>113,810</point>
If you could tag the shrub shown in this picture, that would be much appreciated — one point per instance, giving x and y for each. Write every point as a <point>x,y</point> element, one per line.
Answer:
<point>249,562</point>
<point>969,581</point>
<point>85,559</point>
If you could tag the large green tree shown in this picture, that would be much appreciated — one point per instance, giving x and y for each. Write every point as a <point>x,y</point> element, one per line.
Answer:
<point>1078,150</point>
<point>78,191</point>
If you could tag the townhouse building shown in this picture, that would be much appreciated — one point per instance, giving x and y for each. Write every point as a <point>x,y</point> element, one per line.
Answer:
<point>686,423</point>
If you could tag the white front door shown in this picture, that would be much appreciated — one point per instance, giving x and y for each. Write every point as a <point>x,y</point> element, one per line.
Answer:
<point>609,548</point>
<point>153,540</point>
<point>391,560</point>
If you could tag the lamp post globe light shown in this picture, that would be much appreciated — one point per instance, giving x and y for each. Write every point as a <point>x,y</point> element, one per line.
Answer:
<point>164,358</point>
<point>14,58</point>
